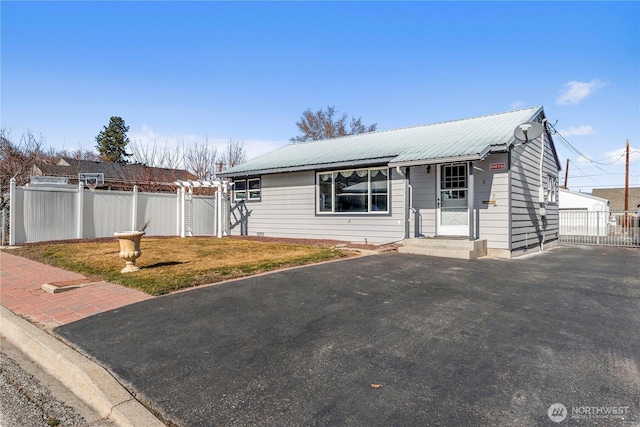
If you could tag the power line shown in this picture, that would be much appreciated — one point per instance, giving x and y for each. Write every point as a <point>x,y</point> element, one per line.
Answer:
<point>621,155</point>
<point>602,174</point>
<point>573,149</point>
<point>585,174</point>
<point>602,186</point>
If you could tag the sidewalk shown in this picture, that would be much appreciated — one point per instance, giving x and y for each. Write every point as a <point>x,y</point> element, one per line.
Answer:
<point>22,297</point>
<point>21,280</point>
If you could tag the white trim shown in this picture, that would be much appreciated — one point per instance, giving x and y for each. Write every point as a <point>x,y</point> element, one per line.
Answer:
<point>249,190</point>
<point>451,230</point>
<point>369,192</point>
<point>442,160</point>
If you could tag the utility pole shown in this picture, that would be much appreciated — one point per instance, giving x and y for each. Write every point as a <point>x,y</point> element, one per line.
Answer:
<point>626,191</point>
<point>566,175</point>
<point>626,181</point>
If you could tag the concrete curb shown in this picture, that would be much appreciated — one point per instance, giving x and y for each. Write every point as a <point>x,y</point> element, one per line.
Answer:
<point>86,379</point>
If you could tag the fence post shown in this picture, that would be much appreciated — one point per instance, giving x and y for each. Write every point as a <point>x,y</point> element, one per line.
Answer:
<point>178,211</point>
<point>182,213</point>
<point>134,209</point>
<point>80,209</point>
<point>219,211</point>
<point>4,225</point>
<point>597,227</point>
<point>12,212</point>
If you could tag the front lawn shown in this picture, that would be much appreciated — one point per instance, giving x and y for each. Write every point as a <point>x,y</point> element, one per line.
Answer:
<point>169,264</point>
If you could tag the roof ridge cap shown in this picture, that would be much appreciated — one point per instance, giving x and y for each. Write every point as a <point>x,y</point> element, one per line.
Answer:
<point>537,107</point>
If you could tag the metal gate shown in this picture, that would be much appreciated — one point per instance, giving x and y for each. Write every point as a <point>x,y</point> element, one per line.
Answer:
<point>610,228</point>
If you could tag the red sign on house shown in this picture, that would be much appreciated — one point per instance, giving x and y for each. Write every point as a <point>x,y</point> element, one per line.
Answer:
<point>497,166</point>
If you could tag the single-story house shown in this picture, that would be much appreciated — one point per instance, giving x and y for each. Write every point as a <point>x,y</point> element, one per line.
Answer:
<point>116,176</point>
<point>465,179</point>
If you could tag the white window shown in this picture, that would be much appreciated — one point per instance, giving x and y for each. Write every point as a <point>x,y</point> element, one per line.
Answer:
<point>353,191</point>
<point>246,189</point>
<point>254,188</point>
<point>552,189</point>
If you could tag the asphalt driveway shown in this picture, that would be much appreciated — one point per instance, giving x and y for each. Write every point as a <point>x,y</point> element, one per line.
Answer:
<point>389,340</point>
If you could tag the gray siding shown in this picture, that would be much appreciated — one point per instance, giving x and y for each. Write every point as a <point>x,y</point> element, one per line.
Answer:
<point>527,227</point>
<point>288,209</point>
<point>492,220</point>
<point>424,201</point>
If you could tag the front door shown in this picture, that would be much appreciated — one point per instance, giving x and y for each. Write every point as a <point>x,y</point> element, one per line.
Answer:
<point>453,214</point>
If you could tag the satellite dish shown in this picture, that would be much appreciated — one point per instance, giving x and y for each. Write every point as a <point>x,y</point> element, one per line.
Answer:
<point>528,131</point>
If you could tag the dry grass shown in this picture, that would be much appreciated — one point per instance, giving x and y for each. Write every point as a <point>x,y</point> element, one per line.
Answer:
<point>169,264</point>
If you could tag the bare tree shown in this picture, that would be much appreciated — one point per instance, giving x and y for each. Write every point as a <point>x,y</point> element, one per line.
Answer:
<point>200,160</point>
<point>233,154</point>
<point>324,124</point>
<point>154,156</point>
<point>17,160</point>
<point>78,154</point>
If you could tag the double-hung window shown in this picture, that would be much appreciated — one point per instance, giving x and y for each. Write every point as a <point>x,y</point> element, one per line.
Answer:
<point>246,189</point>
<point>353,191</point>
<point>552,189</point>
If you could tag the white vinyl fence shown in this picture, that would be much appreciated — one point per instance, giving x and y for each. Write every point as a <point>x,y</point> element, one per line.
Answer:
<point>38,213</point>
<point>610,228</point>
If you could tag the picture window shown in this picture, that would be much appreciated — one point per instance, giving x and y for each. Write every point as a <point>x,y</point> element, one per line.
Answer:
<point>353,191</point>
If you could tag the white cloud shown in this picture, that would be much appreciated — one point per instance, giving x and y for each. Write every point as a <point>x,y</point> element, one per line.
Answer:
<point>517,104</point>
<point>574,92</point>
<point>577,131</point>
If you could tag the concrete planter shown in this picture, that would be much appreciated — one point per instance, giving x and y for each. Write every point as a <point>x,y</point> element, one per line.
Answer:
<point>130,248</point>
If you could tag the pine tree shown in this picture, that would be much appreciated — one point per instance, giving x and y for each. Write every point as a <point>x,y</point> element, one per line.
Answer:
<point>112,141</point>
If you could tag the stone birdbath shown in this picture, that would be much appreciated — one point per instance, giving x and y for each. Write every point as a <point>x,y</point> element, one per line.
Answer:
<point>129,248</point>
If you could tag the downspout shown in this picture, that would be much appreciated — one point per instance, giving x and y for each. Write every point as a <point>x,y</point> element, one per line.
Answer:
<point>509,202</point>
<point>471,203</point>
<point>541,199</point>
<point>409,210</point>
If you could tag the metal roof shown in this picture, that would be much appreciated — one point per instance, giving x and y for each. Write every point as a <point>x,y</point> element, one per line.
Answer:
<point>465,139</point>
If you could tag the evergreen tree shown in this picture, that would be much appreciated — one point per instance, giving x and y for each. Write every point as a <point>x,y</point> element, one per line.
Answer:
<point>112,141</point>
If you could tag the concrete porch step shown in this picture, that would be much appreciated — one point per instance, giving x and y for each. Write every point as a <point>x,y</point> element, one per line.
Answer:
<point>445,247</point>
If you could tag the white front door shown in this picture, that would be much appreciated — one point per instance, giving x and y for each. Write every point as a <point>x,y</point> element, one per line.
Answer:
<point>453,213</point>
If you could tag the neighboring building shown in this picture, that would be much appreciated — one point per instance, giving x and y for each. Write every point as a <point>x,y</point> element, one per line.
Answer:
<point>467,178</point>
<point>583,215</point>
<point>570,200</point>
<point>117,176</point>
<point>616,197</point>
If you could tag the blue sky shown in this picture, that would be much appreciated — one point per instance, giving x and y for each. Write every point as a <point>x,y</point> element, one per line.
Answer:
<point>186,71</point>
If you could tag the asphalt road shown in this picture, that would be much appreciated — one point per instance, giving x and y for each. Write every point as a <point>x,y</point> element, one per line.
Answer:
<point>390,340</point>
